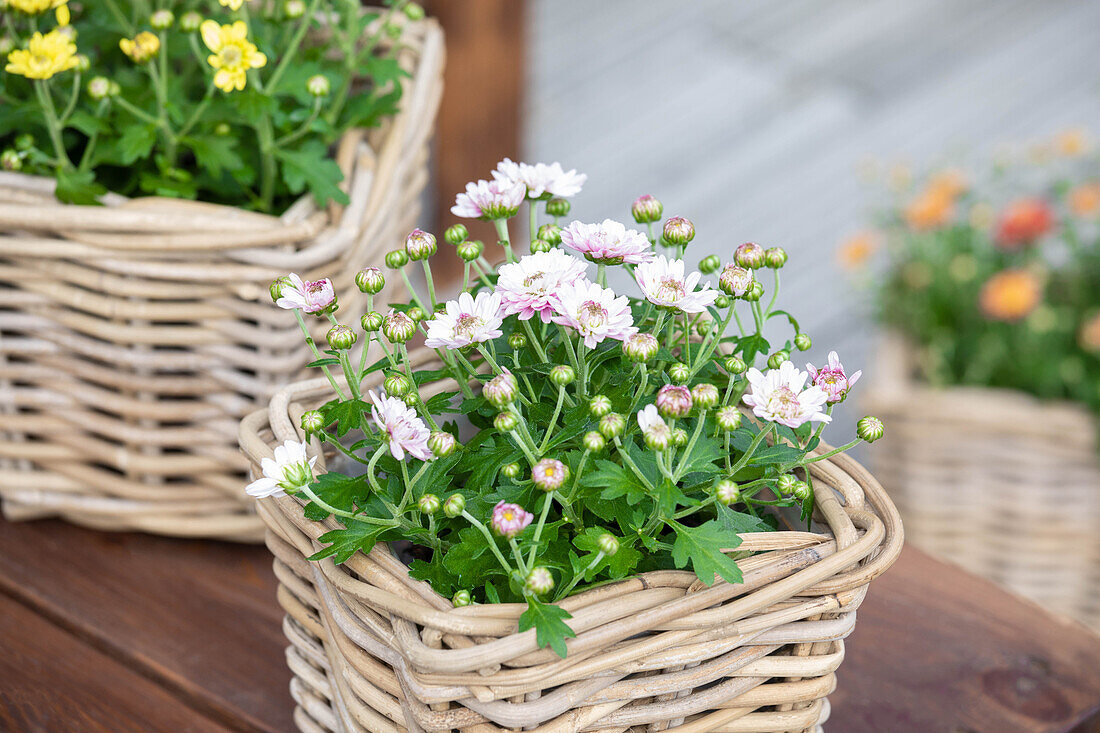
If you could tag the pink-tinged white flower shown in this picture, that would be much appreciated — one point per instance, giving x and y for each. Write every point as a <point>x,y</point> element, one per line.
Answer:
<point>655,430</point>
<point>664,284</point>
<point>595,312</point>
<point>608,243</point>
<point>403,430</point>
<point>489,200</point>
<point>832,378</point>
<point>540,179</point>
<point>310,296</point>
<point>735,280</point>
<point>778,396</point>
<point>674,401</point>
<point>466,321</point>
<point>549,474</point>
<point>508,520</point>
<point>289,472</point>
<point>530,285</point>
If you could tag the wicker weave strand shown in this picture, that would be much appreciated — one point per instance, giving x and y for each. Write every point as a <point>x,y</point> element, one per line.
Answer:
<point>996,481</point>
<point>134,336</point>
<point>373,650</point>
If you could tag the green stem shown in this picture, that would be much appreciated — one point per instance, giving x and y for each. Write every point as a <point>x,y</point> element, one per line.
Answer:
<point>564,592</point>
<point>553,421</point>
<point>538,528</point>
<point>502,233</point>
<point>488,538</point>
<point>700,421</point>
<point>53,126</point>
<point>291,50</point>
<point>316,353</point>
<point>632,465</point>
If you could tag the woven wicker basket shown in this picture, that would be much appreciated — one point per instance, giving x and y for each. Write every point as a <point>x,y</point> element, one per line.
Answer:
<point>134,336</point>
<point>374,650</point>
<point>1002,484</point>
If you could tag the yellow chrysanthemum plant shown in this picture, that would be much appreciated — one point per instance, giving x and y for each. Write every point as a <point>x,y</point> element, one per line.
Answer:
<point>991,269</point>
<point>228,101</point>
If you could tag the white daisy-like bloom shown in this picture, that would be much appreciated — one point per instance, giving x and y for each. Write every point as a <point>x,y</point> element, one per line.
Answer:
<point>289,471</point>
<point>649,418</point>
<point>490,199</point>
<point>466,321</point>
<point>311,296</point>
<point>608,243</point>
<point>530,285</point>
<point>594,312</point>
<point>405,432</point>
<point>664,284</point>
<point>541,179</point>
<point>778,396</point>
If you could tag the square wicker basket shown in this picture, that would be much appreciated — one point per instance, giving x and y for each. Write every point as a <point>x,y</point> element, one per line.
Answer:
<point>374,651</point>
<point>134,336</point>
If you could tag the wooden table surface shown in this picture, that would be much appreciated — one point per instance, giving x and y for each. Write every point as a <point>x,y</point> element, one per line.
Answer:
<point>127,632</point>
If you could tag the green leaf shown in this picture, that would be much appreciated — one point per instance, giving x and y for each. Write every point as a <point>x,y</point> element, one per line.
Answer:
<point>324,361</point>
<point>215,154</point>
<point>348,414</point>
<point>615,481</point>
<point>619,565</point>
<point>343,543</point>
<point>78,187</point>
<point>310,166</point>
<point>342,492</point>
<point>136,142</point>
<point>776,454</point>
<point>548,621</point>
<point>702,546</point>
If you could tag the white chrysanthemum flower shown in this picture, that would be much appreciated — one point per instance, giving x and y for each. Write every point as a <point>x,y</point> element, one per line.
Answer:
<point>833,379</point>
<point>289,471</point>
<point>405,432</point>
<point>530,285</point>
<point>310,296</point>
<point>540,178</point>
<point>664,284</point>
<point>489,200</point>
<point>608,243</point>
<point>778,396</point>
<point>595,312</point>
<point>466,321</point>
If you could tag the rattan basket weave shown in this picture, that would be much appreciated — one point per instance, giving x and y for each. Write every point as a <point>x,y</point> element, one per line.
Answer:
<point>374,650</point>
<point>134,336</point>
<point>1004,485</point>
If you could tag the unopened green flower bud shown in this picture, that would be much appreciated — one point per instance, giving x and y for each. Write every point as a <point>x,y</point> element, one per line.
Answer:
<point>735,365</point>
<point>10,160</point>
<point>646,209</point>
<point>411,398</point>
<point>727,492</point>
<point>416,313</point>
<point>413,11</point>
<point>801,490</point>
<point>539,581</point>
<point>162,20</point>
<point>728,418</point>
<point>679,437</point>
<point>24,141</point>
<point>456,234</point>
<point>393,30</point>
<point>442,443</point>
<point>312,422</point>
<point>505,422</point>
<point>594,442</point>
<point>191,20</point>
<point>462,598</point>
<point>370,280</point>
<point>277,286</point>
<point>750,255</point>
<point>222,129</point>
<point>775,257</point>
<point>674,401</point>
<point>469,250</point>
<point>318,85</point>
<point>778,358</point>
<point>294,9</point>
<point>420,245</point>
<point>599,405</point>
<point>557,207</point>
<point>428,504</point>
<point>511,470</point>
<point>371,321</point>
<point>454,505</point>
<point>703,326</point>
<point>396,259</point>
<point>99,88</point>
<point>803,342</point>
<point>704,396</point>
<point>562,375</point>
<point>397,385</point>
<point>608,544</point>
<point>721,302</point>
<point>735,281</point>
<point>870,428</point>
<point>679,373</point>
<point>678,231</point>
<point>398,327</point>
<point>640,347</point>
<point>710,264</point>
<point>756,291</point>
<point>7,44</point>
<point>612,425</point>
<point>785,483</point>
<point>539,245</point>
<point>550,233</point>
<point>517,341</point>
<point>340,337</point>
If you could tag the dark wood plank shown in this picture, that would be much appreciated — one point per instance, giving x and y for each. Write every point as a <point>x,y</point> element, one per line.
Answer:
<point>50,681</point>
<point>479,120</point>
<point>199,618</point>
<point>937,649</point>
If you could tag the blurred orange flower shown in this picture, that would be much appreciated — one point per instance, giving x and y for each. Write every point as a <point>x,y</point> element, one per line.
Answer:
<point>1085,199</point>
<point>1022,222</point>
<point>950,182</point>
<point>1010,295</point>
<point>931,209</point>
<point>857,249</point>
<point>1090,334</point>
<point>1074,141</point>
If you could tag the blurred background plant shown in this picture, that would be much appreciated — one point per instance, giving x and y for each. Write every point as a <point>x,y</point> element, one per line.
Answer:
<point>992,273</point>
<point>223,101</point>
